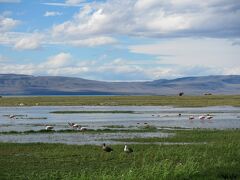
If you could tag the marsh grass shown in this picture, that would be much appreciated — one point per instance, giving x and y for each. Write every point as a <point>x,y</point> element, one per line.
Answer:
<point>148,127</point>
<point>195,135</point>
<point>90,131</point>
<point>184,101</point>
<point>218,159</point>
<point>114,126</point>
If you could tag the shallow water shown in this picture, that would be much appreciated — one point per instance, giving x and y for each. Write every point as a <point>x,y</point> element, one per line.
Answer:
<point>76,138</point>
<point>161,116</point>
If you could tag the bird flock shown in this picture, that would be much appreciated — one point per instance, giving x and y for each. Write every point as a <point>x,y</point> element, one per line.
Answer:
<point>72,125</point>
<point>202,117</point>
<point>77,126</point>
<point>82,128</point>
<point>126,149</point>
<point>191,117</point>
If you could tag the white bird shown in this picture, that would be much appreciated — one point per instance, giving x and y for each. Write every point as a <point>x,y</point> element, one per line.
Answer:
<point>73,125</point>
<point>83,129</point>
<point>209,117</point>
<point>12,116</point>
<point>49,127</point>
<point>191,117</point>
<point>76,126</point>
<point>201,117</point>
<point>127,149</point>
<point>70,124</point>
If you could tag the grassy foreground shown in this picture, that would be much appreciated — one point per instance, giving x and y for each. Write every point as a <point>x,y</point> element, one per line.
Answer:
<point>184,101</point>
<point>218,159</point>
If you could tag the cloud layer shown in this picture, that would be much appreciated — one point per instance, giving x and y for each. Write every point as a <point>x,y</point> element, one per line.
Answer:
<point>156,18</point>
<point>141,39</point>
<point>52,13</point>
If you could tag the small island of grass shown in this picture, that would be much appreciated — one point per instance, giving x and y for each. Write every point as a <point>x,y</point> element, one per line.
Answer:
<point>88,112</point>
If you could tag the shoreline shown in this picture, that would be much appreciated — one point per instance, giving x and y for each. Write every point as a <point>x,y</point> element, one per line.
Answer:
<point>176,101</point>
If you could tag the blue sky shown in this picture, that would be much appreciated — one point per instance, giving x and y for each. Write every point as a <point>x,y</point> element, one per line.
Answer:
<point>115,40</point>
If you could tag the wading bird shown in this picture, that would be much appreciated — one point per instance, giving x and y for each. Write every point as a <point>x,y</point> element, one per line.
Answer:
<point>49,127</point>
<point>77,126</point>
<point>209,117</point>
<point>191,117</point>
<point>12,116</point>
<point>73,125</point>
<point>106,148</point>
<point>83,129</point>
<point>201,117</point>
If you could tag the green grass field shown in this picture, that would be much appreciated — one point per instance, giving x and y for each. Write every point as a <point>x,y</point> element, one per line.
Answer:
<point>214,154</point>
<point>218,158</point>
<point>184,101</point>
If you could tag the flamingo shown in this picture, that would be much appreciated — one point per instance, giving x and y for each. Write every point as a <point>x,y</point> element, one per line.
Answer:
<point>106,148</point>
<point>127,149</point>
<point>73,125</point>
<point>70,124</point>
<point>83,129</point>
<point>76,126</point>
<point>12,116</point>
<point>191,117</point>
<point>49,127</point>
<point>209,117</point>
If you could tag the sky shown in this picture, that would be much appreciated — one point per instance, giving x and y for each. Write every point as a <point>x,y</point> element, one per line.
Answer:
<point>120,40</point>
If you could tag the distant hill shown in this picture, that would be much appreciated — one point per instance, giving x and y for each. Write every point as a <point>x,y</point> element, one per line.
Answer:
<point>15,84</point>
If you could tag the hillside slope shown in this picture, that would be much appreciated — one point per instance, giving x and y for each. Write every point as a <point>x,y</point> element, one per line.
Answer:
<point>14,84</point>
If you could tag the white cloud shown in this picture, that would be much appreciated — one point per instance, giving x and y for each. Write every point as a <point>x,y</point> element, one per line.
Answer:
<point>95,41</point>
<point>55,65</point>
<point>30,42</point>
<point>52,13</point>
<point>119,66</point>
<point>7,23</point>
<point>67,3</point>
<point>218,53</point>
<point>74,2</point>
<point>67,70</point>
<point>98,22</point>
<point>117,70</point>
<point>10,1</point>
<point>232,71</point>
<point>155,18</point>
<point>57,61</point>
<point>17,68</point>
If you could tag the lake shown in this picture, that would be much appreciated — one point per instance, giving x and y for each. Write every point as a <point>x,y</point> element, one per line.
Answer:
<point>36,117</point>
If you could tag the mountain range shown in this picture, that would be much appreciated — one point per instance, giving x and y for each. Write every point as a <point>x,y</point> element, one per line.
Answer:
<point>18,84</point>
